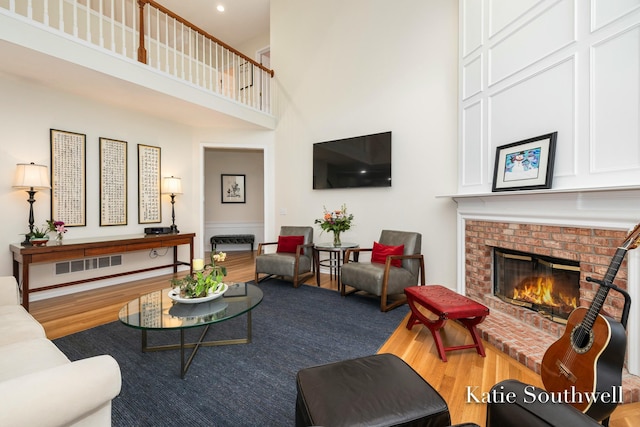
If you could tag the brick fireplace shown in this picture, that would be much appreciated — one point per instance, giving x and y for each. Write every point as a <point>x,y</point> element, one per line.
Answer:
<point>542,227</point>
<point>593,249</point>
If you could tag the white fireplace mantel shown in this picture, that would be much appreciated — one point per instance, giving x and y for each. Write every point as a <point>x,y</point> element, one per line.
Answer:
<point>615,208</point>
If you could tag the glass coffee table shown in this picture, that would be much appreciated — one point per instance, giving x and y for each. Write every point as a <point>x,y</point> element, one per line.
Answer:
<point>156,311</point>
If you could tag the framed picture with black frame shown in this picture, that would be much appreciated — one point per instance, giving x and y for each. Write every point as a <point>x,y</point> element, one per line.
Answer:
<point>113,182</point>
<point>525,165</point>
<point>149,208</point>
<point>68,178</point>
<point>233,188</point>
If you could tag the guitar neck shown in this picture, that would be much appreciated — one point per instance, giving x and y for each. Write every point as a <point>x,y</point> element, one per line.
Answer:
<point>601,295</point>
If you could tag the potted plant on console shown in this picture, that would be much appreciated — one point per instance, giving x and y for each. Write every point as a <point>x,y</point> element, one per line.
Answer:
<point>39,236</point>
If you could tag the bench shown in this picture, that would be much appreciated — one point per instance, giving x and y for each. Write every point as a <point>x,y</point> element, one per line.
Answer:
<point>232,239</point>
<point>446,304</point>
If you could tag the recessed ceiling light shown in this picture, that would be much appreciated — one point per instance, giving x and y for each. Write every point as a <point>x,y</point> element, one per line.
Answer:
<point>220,8</point>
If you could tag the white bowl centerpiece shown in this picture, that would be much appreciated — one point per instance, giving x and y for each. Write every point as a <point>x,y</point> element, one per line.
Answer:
<point>202,283</point>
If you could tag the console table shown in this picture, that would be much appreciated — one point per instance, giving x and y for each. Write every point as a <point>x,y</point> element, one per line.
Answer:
<point>24,256</point>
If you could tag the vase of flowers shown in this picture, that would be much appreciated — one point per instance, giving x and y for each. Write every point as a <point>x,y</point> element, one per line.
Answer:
<point>204,282</point>
<point>335,221</point>
<point>57,227</point>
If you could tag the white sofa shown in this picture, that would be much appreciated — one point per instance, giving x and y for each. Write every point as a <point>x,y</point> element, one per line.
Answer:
<point>39,386</point>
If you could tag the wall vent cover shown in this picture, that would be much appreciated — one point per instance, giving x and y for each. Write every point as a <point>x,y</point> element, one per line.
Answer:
<point>87,264</point>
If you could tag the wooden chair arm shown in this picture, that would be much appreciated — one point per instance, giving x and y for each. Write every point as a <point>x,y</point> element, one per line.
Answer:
<point>356,253</point>
<point>387,265</point>
<point>260,245</point>
<point>300,248</point>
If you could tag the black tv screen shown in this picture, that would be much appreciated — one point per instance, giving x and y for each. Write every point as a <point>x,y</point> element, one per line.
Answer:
<point>363,161</point>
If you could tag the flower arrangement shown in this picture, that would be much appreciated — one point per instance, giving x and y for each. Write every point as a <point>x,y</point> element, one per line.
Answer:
<point>336,221</point>
<point>203,282</point>
<point>58,227</point>
<point>39,233</point>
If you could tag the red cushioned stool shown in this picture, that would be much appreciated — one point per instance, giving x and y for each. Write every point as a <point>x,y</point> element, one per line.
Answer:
<point>446,304</point>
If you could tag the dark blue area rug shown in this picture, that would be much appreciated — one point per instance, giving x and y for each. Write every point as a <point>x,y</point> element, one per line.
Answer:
<point>245,384</point>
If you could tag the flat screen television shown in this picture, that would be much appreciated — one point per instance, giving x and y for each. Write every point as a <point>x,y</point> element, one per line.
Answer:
<point>363,161</point>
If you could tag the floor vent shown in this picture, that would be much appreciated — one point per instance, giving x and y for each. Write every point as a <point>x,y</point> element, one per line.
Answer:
<point>87,264</point>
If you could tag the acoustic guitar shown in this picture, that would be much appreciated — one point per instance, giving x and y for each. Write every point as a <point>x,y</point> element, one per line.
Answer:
<point>584,366</point>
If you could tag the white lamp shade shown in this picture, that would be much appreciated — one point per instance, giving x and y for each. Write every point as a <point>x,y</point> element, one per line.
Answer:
<point>31,175</point>
<point>171,185</point>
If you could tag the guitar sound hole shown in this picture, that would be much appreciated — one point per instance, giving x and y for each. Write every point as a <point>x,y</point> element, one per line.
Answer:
<point>581,340</point>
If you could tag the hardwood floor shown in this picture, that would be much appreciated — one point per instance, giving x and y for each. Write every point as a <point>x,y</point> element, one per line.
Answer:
<point>69,314</point>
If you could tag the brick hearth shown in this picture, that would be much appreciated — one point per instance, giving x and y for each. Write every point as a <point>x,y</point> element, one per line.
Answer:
<point>522,333</point>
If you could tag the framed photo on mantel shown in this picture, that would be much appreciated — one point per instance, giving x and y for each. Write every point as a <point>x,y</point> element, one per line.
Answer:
<point>525,165</point>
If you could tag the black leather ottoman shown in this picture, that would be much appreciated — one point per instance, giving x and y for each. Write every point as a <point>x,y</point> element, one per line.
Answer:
<point>378,390</point>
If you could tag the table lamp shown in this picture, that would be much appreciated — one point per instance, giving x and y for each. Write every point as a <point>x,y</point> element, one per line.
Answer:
<point>31,177</point>
<point>172,186</point>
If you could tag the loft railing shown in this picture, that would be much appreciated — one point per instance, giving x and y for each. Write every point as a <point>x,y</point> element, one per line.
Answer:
<point>145,31</point>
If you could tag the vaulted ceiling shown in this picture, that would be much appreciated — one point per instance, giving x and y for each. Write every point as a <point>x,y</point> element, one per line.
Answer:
<point>242,20</point>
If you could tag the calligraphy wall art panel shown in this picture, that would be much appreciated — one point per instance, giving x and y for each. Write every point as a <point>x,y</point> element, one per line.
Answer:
<point>149,209</point>
<point>113,182</point>
<point>68,178</point>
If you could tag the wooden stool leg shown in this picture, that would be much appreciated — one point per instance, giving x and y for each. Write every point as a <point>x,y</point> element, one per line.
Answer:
<point>433,325</point>
<point>471,326</point>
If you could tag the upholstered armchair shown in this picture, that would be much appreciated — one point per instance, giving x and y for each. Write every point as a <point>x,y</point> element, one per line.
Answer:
<point>396,263</point>
<point>293,257</point>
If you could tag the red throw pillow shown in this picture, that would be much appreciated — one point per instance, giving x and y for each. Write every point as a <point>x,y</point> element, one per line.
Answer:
<point>380,252</point>
<point>289,243</point>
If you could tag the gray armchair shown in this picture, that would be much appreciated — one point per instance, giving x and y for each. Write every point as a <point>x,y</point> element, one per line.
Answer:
<point>295,262</point>
<point>385,280</point>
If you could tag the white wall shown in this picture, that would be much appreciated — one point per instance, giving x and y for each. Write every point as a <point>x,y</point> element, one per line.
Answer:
<point>30,110</point>
<point>528,68</point>
<point>365,66</point>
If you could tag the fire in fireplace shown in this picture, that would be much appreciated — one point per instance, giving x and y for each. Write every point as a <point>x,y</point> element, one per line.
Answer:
<point>550,286</point>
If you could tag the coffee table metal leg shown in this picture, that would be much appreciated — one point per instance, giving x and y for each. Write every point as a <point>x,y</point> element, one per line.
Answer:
<point>184,365</point>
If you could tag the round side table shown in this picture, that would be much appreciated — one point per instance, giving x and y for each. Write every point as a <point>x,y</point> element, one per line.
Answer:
<point>335,259</point>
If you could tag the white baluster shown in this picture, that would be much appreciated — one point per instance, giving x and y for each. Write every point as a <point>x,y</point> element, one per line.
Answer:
<point>211,71</point>
<point>113,27</point>
<point>182,43</point>
<point>61,15</point>
<point>196,57</point>
<point>218,75</point>
<point>101,24</point>
<point>167,44</point>
<point>158,57</point>
<point>190,57</point>
<point>46,13</point>
<point>175,48</point>
<point>123,20</point>
<point>75,18</point>
<point>89,20</point>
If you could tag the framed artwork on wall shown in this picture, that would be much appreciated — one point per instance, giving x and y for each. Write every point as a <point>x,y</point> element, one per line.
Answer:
<point>525,165</point>
<point>149,208</point>
<point>113,182</point>
<point>68,177</point>
<point>233,188</point>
